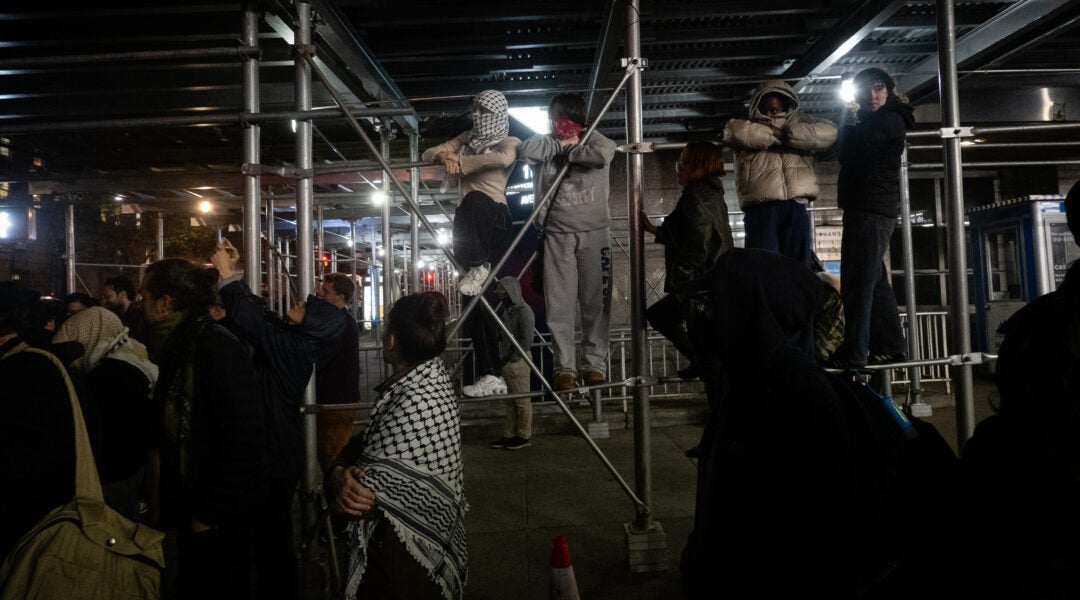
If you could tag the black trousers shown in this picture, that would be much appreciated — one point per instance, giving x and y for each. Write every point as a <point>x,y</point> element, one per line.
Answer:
<point>481,228</point>
<point>481,327</point>
<point>392,573</point>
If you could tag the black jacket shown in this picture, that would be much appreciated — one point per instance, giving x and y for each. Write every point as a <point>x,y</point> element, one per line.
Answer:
<point>285,356</point>
<point>337,379</point>
<point>869,152</point>
<point>224,472</point>
<point>695,234</point>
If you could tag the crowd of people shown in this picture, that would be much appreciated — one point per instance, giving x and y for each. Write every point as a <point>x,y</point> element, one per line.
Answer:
<point>191,388</point>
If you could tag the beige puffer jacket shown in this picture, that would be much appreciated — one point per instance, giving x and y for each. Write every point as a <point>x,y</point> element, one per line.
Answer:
<point>767,168</point>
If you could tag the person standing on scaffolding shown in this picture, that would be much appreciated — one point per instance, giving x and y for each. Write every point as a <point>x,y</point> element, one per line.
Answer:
<point>576,254</point>
<point>480,160</point>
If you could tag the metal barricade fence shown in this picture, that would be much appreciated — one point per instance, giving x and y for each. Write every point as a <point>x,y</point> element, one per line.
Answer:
<point>932,342</point>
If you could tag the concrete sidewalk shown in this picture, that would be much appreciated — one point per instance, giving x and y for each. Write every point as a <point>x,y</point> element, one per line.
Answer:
<point>520,499</point>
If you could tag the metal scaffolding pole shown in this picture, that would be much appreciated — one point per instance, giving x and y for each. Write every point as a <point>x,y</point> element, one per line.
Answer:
<point>160,236</point>
<point>954,195</point>
<point>239,119</point>
<point>645,538</point>
<point>320,241</point>
<point>69,250</point>
<point>387,245</point>
<point>634,185</point>
<point>310,486</point>
<point>359,293</point>
<point>245,51</point>
<point>373,271</point>
<point>249,36</point>
<point>414,222</point>
<point>271,259</point>
<point>915,403</point>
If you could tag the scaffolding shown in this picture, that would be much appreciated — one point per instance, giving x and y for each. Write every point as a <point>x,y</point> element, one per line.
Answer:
<point>276,254</point>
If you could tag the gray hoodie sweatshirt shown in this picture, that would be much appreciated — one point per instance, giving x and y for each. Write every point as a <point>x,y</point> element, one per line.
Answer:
<point>581,204</point>
<point>519,319</point>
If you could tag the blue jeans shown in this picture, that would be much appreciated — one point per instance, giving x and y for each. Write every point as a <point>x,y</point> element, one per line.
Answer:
<point>870,313</point>
<point>781,226</point>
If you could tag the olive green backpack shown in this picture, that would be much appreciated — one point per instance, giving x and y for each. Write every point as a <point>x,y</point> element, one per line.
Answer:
<point>84,549</point>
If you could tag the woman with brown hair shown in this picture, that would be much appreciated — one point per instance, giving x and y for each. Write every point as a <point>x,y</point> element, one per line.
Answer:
<point>694,236</point>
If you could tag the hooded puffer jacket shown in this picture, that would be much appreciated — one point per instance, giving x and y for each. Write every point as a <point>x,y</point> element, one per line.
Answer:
<point>768,168</point>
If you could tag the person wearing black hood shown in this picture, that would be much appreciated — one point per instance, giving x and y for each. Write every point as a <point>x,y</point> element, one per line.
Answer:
<point>871,140</point>
<point>284,359</point>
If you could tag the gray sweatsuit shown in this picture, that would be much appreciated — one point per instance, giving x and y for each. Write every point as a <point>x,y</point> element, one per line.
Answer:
<point>577,256</point>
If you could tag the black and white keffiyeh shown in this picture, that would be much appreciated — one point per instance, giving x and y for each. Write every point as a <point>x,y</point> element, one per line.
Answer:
<point>412,461</point>
<point>491,126</point>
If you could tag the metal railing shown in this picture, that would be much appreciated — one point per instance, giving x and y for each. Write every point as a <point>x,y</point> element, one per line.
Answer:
<point>932,343</point>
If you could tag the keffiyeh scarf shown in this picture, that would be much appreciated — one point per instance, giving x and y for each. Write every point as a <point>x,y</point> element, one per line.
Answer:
<point>412,461</point>
<point>103,335</point>
<point>490,126</point>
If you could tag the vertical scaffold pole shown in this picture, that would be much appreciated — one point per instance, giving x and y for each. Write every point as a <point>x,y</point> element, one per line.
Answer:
<point>645,538</point>
<point>69,246</point>
<point>954,196</point>
<point>271,260</point>
<point>305,261</point>
<point>414,221</point>
<point>160,236</point>
<point>320,240</point>
<point>359,293</point>
<point>915,402</point>
<point>387,244</point>
<point>249,36</point>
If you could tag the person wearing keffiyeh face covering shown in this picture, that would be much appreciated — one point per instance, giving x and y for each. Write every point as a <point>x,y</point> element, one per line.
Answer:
<point>402,480</point>
<point>116,375</point>
<point>577,256</point>
<point>480,160</point>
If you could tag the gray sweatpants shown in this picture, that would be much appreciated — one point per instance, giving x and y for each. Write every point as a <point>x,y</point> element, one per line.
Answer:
<point>577,285</point>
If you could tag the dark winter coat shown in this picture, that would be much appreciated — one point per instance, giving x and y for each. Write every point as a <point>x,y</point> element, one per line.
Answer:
<point>337,379</point>
<point>213,444</point>
<point>869,151</point>
<point>695,234</point>
<point>284,359</point>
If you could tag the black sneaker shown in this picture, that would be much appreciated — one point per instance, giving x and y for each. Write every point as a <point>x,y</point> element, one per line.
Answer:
<point>501,443</point>
<point>517,443</point>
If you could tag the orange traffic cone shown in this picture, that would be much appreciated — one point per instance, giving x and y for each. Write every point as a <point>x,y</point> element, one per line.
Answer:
<point>563,583</point>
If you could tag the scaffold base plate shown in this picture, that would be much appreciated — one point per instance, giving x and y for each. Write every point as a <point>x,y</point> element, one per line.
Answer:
<point>646,549</point>
<point>599,430</point>
<point>922,410</point>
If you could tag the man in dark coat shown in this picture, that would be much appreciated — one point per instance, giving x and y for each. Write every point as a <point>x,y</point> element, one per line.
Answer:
<point>337,378</point>
<point>285,354</point>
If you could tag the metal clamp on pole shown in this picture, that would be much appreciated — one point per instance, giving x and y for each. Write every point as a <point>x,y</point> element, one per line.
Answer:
<point>304,50</point>
<point>956,132</point>
<point>639,148</point>
<point>634,63</point>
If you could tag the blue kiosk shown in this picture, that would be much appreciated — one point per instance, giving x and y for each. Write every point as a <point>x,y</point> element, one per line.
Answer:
<point>1020,249</point>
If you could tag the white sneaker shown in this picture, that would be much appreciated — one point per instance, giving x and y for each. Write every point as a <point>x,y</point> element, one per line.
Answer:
<point>471,282</point>
<point>487,385</point>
